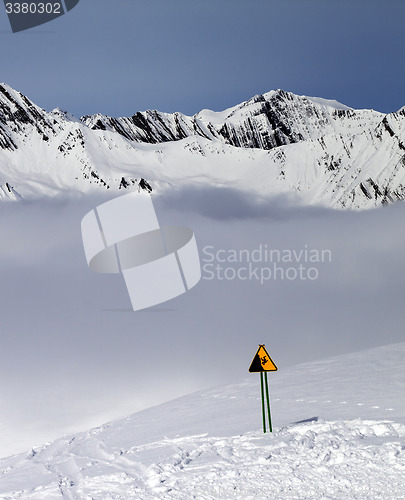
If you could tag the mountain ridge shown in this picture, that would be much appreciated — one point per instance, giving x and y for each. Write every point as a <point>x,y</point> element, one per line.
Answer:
<point>318,150</point>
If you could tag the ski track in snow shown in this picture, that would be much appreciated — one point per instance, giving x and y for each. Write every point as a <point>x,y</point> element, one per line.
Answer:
<point>346,459</point>
<point>374,407</point>
<point>340,439</point>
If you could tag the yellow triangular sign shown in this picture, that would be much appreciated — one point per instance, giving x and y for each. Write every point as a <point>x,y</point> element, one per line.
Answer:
<point>262,362</point>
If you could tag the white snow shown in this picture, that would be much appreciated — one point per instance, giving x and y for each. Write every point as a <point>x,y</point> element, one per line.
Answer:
<point>338,433</point>
<point>328,103</point>
<point>215,117</point>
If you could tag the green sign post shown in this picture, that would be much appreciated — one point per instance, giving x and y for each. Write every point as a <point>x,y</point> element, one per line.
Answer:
<point>263,363</point>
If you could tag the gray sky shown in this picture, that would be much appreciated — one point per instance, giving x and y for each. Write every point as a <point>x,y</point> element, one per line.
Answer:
<point>121,56</point>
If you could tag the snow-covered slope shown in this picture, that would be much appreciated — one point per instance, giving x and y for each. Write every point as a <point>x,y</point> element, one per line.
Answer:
<point>317,150</point>
<point>339,433</point>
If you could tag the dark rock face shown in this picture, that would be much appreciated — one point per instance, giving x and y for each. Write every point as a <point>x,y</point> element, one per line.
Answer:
<point>265,123</point>
<point>18,114</point>
<point>145,186</point>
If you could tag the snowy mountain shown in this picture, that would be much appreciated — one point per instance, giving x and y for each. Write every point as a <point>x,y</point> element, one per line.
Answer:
<point>338,433</point>
<point>318,150</point>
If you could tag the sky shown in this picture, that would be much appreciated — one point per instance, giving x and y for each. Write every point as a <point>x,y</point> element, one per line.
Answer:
<point>72,353</point>
<point>117,57</point>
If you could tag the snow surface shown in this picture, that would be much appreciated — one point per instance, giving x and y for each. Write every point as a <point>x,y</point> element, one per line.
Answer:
<point>338,433</point>
<point>328,103</point>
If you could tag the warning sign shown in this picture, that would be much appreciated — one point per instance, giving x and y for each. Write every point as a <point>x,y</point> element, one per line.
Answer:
<point>262,362</point>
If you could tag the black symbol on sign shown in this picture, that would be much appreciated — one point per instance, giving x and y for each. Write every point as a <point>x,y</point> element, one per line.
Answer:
<point>264,360</point>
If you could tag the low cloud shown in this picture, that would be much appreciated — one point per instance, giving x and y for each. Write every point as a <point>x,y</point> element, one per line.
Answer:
<point>223,203</point>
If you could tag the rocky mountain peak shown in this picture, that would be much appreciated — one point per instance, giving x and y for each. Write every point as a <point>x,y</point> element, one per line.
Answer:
<point>276,142</point>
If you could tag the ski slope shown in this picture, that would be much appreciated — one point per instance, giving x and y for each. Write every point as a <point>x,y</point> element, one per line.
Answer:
<point>339,433</point>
